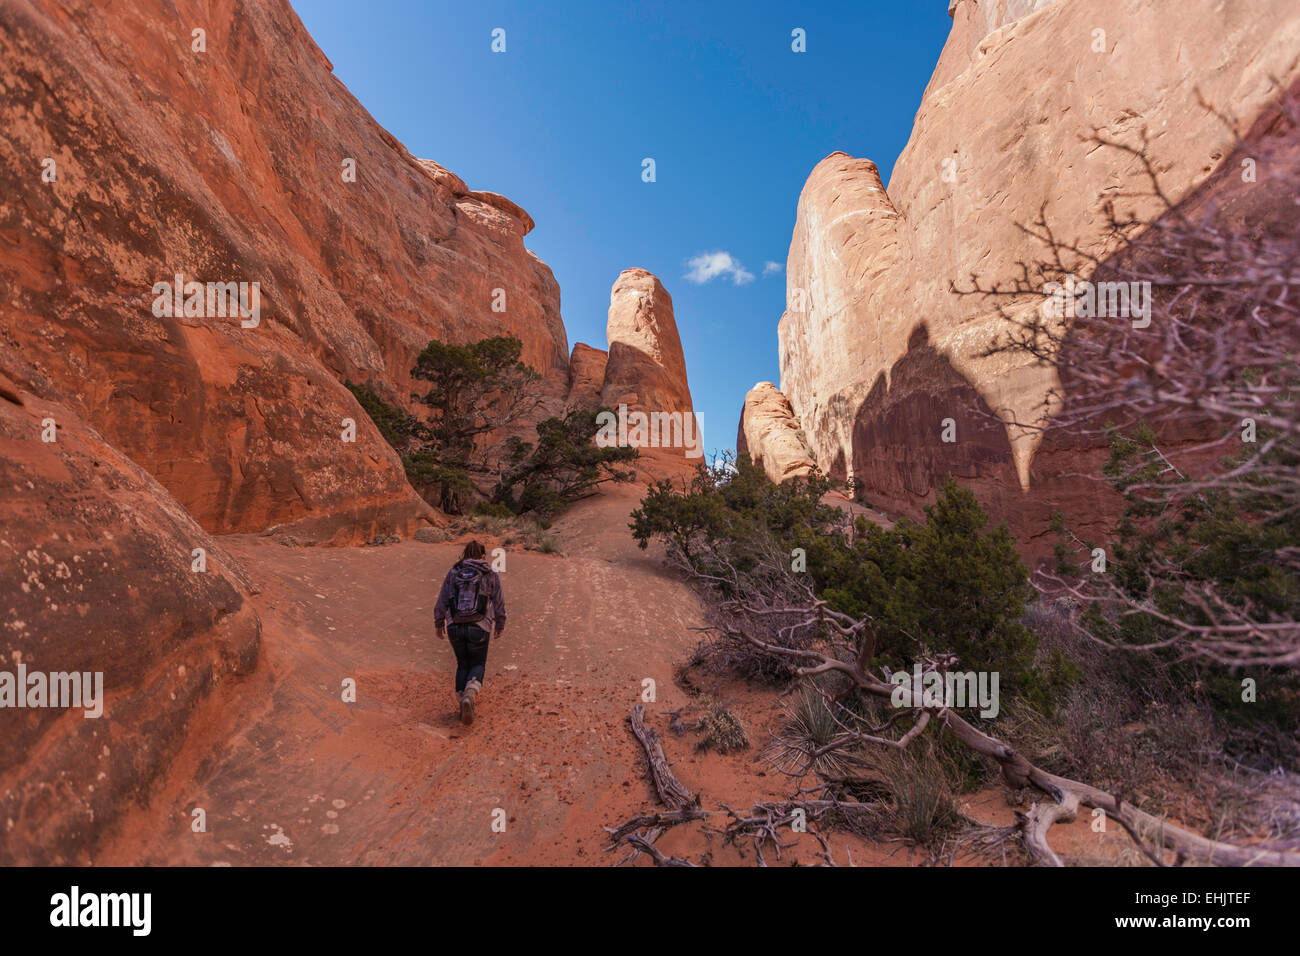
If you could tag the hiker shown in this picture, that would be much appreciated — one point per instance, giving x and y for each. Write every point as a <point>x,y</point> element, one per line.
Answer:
<point>469,591</point>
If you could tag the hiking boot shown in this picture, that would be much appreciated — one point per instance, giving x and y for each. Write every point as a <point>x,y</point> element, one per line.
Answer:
<point>467,701</point>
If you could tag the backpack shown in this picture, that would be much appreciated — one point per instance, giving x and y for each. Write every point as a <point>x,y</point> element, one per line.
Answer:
<point>469,599</point>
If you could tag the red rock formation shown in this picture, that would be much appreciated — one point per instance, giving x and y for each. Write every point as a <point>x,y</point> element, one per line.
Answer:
<point>646,368</point>
<point>586,376</point>
<point>877,351</point>
<point>771,435</point>
<point>97,572</point>
<point>232,165</point>
<point>130,157</point>
<point>972,21</point>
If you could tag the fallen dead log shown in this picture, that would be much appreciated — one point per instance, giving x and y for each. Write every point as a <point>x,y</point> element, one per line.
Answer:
<point>1035,823</point>
<point>672,793</point>
<point>1067,795</point>
<point>682,804</point>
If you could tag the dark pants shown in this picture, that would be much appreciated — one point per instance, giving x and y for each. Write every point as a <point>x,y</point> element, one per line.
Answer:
<point>470,642</point>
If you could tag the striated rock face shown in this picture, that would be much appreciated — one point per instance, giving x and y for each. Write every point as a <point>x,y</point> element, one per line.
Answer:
<point>771,435</point>
<point>235,165</point>
<point>876,349</point>
<point>972,21</point>
<point>97,570</point>
<point>646,368</point>
<point>845,242</point>
<point>586,376</point>
<point>128,158</point>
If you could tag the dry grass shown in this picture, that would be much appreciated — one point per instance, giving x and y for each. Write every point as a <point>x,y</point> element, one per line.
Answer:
<point>521,532</point>
<point>720,729</point>
<point>924,796</point>
<point>1130,729</point>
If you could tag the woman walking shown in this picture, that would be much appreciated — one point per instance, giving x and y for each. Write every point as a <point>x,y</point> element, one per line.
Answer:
<point>471,597</point>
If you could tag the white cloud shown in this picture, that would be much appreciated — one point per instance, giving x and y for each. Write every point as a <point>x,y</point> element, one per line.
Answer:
<point>709,265</point>
<point>771,268</point>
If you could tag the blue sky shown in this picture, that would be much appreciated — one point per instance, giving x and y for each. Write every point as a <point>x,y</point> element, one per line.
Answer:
<point>561,121</point>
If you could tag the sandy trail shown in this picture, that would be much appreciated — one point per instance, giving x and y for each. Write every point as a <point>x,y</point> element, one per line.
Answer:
<point>290,773</point>
<point>286,772</point>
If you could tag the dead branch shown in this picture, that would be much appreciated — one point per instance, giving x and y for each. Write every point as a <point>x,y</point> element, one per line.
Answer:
<point>1066,794</point>
<point>1038,820</point>
<point>1214,353</point>
<point>657,821</point>
<point>683,805</point>
<point>763,821</point>
<point>645,846</point>
<point>672,793</point>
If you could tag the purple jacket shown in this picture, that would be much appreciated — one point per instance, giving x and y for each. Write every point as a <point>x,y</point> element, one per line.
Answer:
<point>491,584</point>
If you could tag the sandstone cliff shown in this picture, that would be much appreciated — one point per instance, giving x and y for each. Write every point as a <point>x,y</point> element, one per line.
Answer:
<point>101,572</point>
<point>130,157</point>
<point>876,350</point>
<point>771,435</point>
<point>646,368</point>
<point>586,376</point>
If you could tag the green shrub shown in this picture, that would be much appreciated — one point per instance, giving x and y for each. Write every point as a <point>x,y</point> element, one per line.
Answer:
<point>735,504</point>
<point>492,509</point>
<point>564,464</point>
<point>1203,556</point>
<point>393,423</point>
<point>476,389</point>
<point>946,585</point>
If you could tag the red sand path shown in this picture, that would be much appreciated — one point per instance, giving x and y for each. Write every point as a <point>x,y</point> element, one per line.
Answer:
<point>287,773</point>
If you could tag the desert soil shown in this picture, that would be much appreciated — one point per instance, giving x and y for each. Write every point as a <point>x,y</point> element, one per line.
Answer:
<point>286,772</point>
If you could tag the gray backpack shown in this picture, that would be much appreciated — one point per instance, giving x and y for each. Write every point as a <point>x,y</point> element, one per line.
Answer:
<point>469,599</point>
